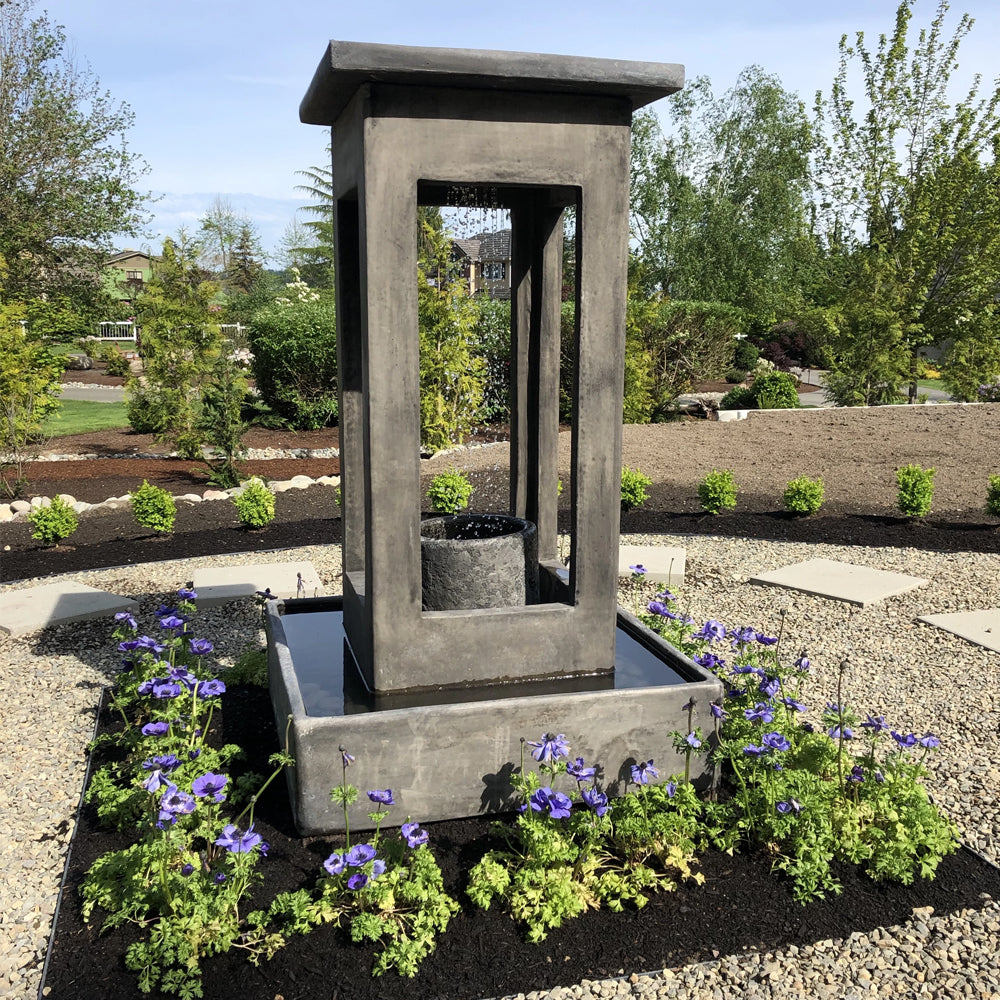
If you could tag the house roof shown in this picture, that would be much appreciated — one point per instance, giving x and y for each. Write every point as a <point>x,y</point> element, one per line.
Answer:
<point>470,248</point>
<point>126,255</point>
<point>494,246</point>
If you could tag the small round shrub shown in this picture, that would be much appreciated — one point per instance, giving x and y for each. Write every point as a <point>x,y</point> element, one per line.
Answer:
<point>54,522</point>
<point>115,363</point>
<point>449,492</point>
<point>255,505</point>
<point>745,356</point>
<point>735,375</point>
<point>804,495</point>
<point>717,491</point>
<point>993,496</point>
<point>916,490</point>
<point>740,398</point>
<point>634,488</point>
<point>154,508</point>
<point>775,391</point>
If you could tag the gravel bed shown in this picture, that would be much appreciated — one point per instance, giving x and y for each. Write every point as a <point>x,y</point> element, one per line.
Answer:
<point>921,678</point>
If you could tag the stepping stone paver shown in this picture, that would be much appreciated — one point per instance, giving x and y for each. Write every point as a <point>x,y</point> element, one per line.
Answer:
<point>218,584</point>
<point>663,563</point>
<point>23,611</point>
<point>980,627</point>
<point>840,581</point>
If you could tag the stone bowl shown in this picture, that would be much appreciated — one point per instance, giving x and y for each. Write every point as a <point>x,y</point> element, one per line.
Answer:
<point>473,561</point>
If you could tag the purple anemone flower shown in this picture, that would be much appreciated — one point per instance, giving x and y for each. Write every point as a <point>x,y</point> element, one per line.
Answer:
<point>156,729</point>
<point>709,660</point>
<point>172,622</point>
<point>639,569</point>
<point>549,748</point>
<point>718,712</point>
<point>164,762</point>
<point>666,595</point>
<point>761,712</point>
<point>357,881</point>
<point>335,864</point>
<point>124,616</point>
<point>670,788</point>
<point>857,774</point>
<point>413,834</point>
<point>692,741</point>
<point>836,732</point>
<point>219,878</point>
<point>643,771</point>
<point>210,785</point>
<point>659,608</point>
<point>929,741</point>
<point>795,706</point>
<point>359,854</point>
<point>155,782</point>
<point>769,686</point>
<point>211,688</point>
<point>595,800</point>
<point>775,741</point>
<point>236,841</point>
<point>545,799</point>
<point>752,750</point>
<point>789,806</point>
<point>186,594</point>
<point>187,869</point>
<point>766,640</point>
<point>200,646</point>
<point>166,689</point>
<point>381,796</point>
<point>576,769</point>
<point>712,630</point>
<point>802,663</point>
<point>876,723</point>
<point>905,742</point>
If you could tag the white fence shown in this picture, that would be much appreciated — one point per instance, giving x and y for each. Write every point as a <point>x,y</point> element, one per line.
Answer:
<point>110,330</point>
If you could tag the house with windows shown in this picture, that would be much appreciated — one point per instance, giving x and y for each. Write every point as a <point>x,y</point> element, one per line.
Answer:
<point>126,273</point>
<point>485,263</point>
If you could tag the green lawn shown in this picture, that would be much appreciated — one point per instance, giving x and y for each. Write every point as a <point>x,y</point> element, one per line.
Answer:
<point>931,383</point>
<point>78,416</point>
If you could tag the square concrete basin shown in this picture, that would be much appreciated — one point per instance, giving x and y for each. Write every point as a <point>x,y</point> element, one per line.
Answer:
<point>450,752</point>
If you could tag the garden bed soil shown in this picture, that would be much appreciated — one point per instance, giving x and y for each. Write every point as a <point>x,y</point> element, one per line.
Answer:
<point>741,906</point>
<point>855,451</point>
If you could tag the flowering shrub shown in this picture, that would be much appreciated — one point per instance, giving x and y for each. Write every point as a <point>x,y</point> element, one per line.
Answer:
<point>561,860</point>
<point>197,853</point>
<point>389,890</point>
<point>844,790</point>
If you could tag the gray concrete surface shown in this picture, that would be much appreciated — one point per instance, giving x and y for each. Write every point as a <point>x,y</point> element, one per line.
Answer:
<point>840,581</point>
<point>219,584</point>
<point>980,627</point>
<point>24,611</point>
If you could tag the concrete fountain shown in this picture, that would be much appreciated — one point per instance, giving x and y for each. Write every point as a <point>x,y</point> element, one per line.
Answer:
<point>433,696</point>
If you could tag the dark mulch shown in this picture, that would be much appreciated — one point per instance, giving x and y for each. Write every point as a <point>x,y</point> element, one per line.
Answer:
<point>741,906</point>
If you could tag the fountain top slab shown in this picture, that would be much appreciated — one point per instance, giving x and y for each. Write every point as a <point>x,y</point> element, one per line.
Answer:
<point>347,66</point>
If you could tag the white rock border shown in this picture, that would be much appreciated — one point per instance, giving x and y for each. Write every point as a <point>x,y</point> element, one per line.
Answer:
<point>18,510</point>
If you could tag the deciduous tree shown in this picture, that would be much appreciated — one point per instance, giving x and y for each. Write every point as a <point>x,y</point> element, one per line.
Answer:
<point>910,193</point>
<point>67,177</point>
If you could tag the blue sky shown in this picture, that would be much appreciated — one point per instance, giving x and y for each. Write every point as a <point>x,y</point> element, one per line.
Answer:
<point>215,84</point>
